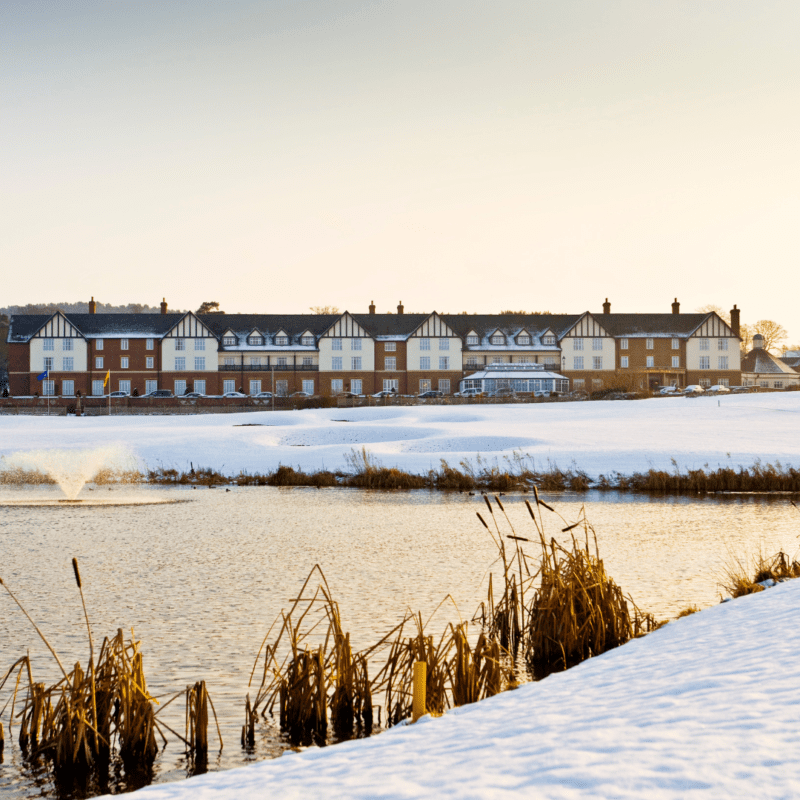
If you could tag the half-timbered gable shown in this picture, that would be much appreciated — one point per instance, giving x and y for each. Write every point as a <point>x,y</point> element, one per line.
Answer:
<point>58,346</point>
<point>347,347</point>
<point>434,346</point>
<point>189,346</point>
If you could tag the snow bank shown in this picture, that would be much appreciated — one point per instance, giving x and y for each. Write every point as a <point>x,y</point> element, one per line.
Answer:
<point>598,437</point>
<point>705,707</point>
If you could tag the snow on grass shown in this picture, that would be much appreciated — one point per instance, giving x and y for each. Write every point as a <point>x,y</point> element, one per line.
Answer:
<point>704,707</point>
<point>598,437</point>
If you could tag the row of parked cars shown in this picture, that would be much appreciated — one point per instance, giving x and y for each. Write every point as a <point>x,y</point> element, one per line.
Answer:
<point>195,395</point>
<point>695,390</point>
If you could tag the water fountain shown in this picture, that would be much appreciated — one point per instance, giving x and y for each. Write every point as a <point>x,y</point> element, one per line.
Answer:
<point>71,470</point>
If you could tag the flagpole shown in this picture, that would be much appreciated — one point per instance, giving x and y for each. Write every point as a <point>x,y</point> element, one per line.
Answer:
<point>108,377</point>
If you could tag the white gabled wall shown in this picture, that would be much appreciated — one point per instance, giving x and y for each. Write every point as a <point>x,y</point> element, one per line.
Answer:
<point>78,354</point>
<point>346,329</point>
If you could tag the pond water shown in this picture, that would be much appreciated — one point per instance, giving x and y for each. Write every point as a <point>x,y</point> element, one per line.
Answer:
<point>201,580</point>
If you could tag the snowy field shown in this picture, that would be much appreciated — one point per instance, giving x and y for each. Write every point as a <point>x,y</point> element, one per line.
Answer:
<point>706,707</point>
<point>598,437</point>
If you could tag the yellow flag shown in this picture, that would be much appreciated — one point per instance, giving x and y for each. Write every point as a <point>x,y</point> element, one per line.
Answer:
<point>108,378</point>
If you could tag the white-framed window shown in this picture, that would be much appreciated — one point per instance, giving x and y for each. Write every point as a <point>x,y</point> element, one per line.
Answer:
<point>473,340</point>
<point>523,339</point>
<point>336,344</point>
<point>355,385</point>
<point>577,344</point>
<point>228,341</point>
<point>149,386</point>
<point>97,388</point>
<point>308,386</point>
<point>151,343</point>
<point>650,361</point>
<point>777,385</point>
<point>123,344</point>
<point>308,361</point>
<point>49,344</point>
<point>255,387</point>
<point>355,344</point>
<point>424,385</point>
<point>282,361</point>
<point>425,362</point>
<point>307,341</point>
<point>123,362</point>
<point>228,386</point>
<point>498,338</point>
<point>199,344</point>
<point>523,360</point>
<point>337,385</point>
<point>199,363</point>
<point>577,362</point>
<point>444,344</point>
<point>762,384</point>
<point>722,344</point>
<point>48,363</point>
<point>444,385</point>
<point>391,385</point>
<point>676,362</point>
<point>472,361</point>
<point>254,361</point>
<point>336,363</point>
<point>282,388</point>
<point>257,341</point>
<point>66,344</point>
<point>623,344</point>
<point>705,344</point>
<point>48,388</point>
<point>68,388</point>
<point>722,362</point>
<point>649,343</point>
<point>424,344</point>
<point>98,344</point>
<point>281,340</point>
<point>180,344</point>
<point>549,340</point>
<point>98,362</point>
<point>705,382</point>
<point>623,362</point>
<point>180,363</point>
<point>597,344</point>
<point>705,362</point>
<point>597,362</point>
<point>200,387</point>
<point>676,344</point>
<point>355,363</point>
<point>229,361</point>
<point>724,381</point>
<point>67,363</point>
<point>444,362</point>
<point>180,388</point>
<point>125,386</point>
<point>390,363</point>
<point>390,347</point>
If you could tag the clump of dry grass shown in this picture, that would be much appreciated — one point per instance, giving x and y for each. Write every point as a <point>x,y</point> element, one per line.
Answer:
<point>688,611</point>
<point>743,577</point>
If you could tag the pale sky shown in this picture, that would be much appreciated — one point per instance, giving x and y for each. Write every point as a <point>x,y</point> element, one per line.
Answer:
<point>457,156</point>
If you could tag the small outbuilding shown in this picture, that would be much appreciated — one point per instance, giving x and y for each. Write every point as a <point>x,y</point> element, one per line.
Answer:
<point>761,368</point>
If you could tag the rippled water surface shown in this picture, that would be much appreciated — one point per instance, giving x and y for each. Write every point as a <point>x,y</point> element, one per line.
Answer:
<point>200,581</point>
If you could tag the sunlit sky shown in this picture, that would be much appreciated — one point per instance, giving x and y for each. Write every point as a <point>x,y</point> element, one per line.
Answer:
<point>457,156</point>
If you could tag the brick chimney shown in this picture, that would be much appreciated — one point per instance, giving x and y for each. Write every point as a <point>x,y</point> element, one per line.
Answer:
<point>400,307</point>
<point>92,306</point>
<point>606,307</point>
<point>676,307</point>
<point>163,305</point>
<point>372,307</point>
<point>735,327</point>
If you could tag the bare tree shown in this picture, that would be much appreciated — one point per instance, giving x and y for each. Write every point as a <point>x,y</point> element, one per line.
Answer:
<point>745,331</point>
<point>529,313</point>
<point>324,310</point>
<point>772,332</point>
<point>209,307</point>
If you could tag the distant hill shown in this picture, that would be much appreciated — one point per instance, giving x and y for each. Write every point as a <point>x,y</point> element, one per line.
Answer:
<point>83,308</point>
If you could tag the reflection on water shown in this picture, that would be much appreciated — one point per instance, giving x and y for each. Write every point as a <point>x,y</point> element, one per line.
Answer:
<point>201,581</point>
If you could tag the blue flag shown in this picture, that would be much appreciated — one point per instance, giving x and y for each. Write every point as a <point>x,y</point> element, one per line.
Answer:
<point>43,376</point>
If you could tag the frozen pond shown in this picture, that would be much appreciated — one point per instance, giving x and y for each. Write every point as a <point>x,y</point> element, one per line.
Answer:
<point>200,581</point>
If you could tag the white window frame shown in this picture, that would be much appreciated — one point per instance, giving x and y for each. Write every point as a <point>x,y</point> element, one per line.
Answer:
<point>337,386</point>
<point>524,339</point>
<point>48,343</point>
<point>577,362</point>
<point>425,344</point>
<point>125,386</point>
<point>228,341</point>
<point>180,363</point>
<point>473,340</point>
<point>199,344</point>
<point>307,341</point>
<point>722,362</point>
<point>200,386</point>
<point>255,387</point>
<point>281,341</point>
<point>308,386</point>
<point>356,385</point>
<point>68,388</point>
<point>424,362</point>
<point>123,344</point>
<point>597,362</point>
<point>199,363</point>
<point>355,344</point>
<point>444,362</point>
<point>66,344</point>
<point>283,361</point>
<point>705,362</point>
<point>444,385</point>
<point>390,347</point>
<point>282,388</point>
<point>597,343</point>
<point>355,363</point>
<point>99,344</point>
<point>390,363</point>
<point>336,344</point>
<point>308,361</point>
<point>649,343</point>
<point>722,344</point>
<point>228,386</point>
<point>67,364</point>
<point>48,388</point>
<point>98,390</point>
<point>676,344</point>
<point>336,363</point>
<point>150,386</point>
<point>150,345</point>
<point>705,344</point>
<point>577,344</point>
<point>623,344</point>
<point>549,340</point>
<point>623,362</point>
<point>124,362</point>
<point>676,362</point>
<point>98,362</point>
<point>651,362</point>
<point>180,344</point>
<point>444,344</point>
<point>497,339</point>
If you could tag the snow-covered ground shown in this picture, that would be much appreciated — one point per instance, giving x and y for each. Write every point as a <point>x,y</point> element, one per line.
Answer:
<point>704,707</point>
<point>598,437</point>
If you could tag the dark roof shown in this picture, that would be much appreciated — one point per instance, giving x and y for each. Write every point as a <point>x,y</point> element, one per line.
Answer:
<point>792,361</point>
<point>390,324</point>
<point>650,324</point>
<point>760,361</point>
<point>23,326</point>
<point>510,324</point>
<point>293,324</point>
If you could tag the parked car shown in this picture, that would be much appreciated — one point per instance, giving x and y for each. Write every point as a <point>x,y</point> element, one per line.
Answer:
<point>119,394</point>
<point>300,394</point>
<point>193,395</point>
<point>502,392</point>
<point>694,390</point>
<point>429,394</point>
<point>234,394</point>
<point>674,391</point>
<point>264,395</point>
<point>469,393</point>
<point>718,389</point>
<point>159,393</point>
<point>384,394</point>
<point>741,389</point>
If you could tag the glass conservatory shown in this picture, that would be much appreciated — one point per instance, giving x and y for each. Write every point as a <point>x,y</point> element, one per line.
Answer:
<point>517,378</point>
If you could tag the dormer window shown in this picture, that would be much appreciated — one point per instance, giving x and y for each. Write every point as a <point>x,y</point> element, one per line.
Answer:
<point>281,339</point>
<point>473,339</point>
<point>228,341</point>
<point>498,338</point>
<point>255,341</point>
<point>523,338</point>
<point>550,340</point>
<point>308,341</point>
